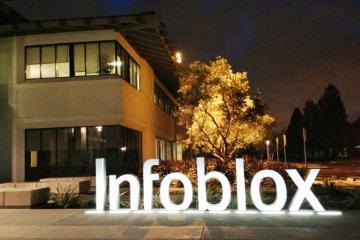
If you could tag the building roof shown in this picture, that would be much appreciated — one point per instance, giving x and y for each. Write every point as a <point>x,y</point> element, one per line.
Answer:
<point>144,32</point>
<point>8,15</point>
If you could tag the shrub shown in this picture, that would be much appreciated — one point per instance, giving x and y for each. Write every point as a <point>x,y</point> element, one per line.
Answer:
<point>64,197</point>
<point>353,201</point>
<point>156,201</point>
<point>329,188</point>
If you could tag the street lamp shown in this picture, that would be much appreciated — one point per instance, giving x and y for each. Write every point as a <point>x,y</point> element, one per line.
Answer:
<point>267,149</point>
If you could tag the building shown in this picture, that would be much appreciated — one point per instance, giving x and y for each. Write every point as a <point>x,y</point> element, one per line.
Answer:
<point>73,90</point>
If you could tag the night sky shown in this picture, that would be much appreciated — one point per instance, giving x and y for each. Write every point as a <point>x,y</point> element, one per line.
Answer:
<point>291,49</point>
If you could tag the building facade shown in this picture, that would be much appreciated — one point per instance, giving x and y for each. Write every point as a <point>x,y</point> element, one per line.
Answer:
<point>75,90</point>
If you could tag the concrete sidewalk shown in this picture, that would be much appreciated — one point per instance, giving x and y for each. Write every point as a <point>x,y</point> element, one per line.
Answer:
<point>75,224</point>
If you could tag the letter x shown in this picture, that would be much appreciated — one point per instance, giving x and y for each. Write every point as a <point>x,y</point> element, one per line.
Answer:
<point>304,191</point>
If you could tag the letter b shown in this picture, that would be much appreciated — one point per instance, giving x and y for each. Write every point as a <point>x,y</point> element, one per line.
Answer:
<point>202,179</point>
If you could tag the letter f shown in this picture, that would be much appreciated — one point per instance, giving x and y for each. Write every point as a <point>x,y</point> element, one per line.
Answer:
<point>148,179</point>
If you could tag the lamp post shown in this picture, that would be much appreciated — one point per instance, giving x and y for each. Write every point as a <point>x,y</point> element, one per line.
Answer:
<point>267,149</point>
<point>304,143</point>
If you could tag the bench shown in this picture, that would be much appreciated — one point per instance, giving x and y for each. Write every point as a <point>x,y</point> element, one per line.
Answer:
<point>25,196</point>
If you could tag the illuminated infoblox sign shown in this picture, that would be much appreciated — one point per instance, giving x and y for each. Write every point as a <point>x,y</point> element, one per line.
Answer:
<point>303,192</point>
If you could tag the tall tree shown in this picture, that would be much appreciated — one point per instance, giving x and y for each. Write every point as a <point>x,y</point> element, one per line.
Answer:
<point>220,114</point>
<point>354,136</point>
<point>311,121</point>
<point>333,121</point>
<point>294,134</point>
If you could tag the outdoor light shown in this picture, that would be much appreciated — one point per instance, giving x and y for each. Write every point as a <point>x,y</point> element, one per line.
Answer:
<point>123,149</point>
<point>115,63</point>
<point>267,142</point>
<point>99,128</point>
<point>178,57</point>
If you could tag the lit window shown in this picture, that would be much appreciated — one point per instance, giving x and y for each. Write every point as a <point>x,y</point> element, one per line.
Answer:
<point>48,61</point>
<point>79,59</point>
<point>62,61</point>
<point>107,58</point>
<point>32,62</point>
<point>92,59</point>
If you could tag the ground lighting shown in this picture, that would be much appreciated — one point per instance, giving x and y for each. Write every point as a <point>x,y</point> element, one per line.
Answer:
<point>276,208</point>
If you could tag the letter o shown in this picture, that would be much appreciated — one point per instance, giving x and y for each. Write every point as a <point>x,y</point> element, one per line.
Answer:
<point>281,193</point>
<point>165,194</point>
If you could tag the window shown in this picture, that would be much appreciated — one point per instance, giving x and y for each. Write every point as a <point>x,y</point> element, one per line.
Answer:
<point>127,67</point>
<point>134,73</point>
<point>107,58</point>
<point>164,149</point>
<point>92,59</point>
<point>163,101</point>
<point>71,151</point>
<point>32,62</point>
<point>62,61</point>
<point>47,62</point>
<point>79,59</point>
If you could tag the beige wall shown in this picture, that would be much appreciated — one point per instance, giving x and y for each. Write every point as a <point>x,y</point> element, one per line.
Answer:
<point>84,101</point>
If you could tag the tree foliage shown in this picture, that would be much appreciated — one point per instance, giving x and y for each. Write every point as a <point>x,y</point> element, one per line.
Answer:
<point>325,123</point>
<point>333,120</point>
<point>220,114</point>
<point>294,133</point>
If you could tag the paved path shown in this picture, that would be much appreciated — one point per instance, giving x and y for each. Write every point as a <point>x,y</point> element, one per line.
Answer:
<point>75,224</point>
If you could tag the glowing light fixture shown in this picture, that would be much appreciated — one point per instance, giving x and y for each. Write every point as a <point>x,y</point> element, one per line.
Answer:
<point>115,63</point>
<point>273,212</point>
<point>178,57</point>
<point>330,213</point>
<point>123,149</point>
<point>302,213</point>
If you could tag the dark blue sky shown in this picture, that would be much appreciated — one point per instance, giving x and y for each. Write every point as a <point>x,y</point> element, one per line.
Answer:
<point>291,49</point>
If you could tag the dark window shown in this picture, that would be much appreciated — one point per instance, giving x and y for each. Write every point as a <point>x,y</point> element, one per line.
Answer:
<point>65,152</point>
<point>163,101</point>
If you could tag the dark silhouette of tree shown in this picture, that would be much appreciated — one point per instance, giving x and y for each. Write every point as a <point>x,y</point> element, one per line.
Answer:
<point>294,135</point>
<point>333,121</point>
<point>354,137</point>
<point>311,121</point>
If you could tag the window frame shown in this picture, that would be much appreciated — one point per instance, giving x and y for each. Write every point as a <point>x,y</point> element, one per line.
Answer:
<point>126,59</point>
<point>163,101</point>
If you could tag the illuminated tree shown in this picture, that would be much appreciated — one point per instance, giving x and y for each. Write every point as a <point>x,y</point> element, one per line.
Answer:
<point>220,114</point>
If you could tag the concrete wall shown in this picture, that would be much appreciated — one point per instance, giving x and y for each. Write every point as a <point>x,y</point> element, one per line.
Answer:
<point>77,101</point>
<point>7,48</point>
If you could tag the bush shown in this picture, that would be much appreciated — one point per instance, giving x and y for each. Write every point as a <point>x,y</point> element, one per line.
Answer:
<point>64,197</point>
<point>329,188</point>
<point>353,201</point>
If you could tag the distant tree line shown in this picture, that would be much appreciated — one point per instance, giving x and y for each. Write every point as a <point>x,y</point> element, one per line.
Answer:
<point>329,135</point>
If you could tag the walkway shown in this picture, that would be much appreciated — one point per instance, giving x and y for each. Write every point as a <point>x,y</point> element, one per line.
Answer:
<point>75,224</point>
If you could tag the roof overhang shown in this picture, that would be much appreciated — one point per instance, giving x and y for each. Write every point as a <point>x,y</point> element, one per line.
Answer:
<point>143,31</point>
